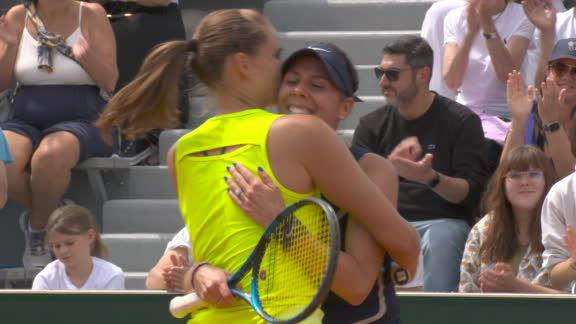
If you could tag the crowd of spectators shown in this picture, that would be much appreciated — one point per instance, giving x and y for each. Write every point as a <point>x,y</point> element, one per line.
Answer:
<point>478,109</point>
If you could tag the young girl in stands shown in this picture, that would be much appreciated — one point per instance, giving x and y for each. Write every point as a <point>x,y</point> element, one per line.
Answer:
<point>236,54</point>
<point>504,249</point>
<point>78,249</point>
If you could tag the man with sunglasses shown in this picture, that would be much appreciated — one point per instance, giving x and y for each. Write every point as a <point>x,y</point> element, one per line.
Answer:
<point>546,122</point>
<point>436,146</point>
<point>551,25</point>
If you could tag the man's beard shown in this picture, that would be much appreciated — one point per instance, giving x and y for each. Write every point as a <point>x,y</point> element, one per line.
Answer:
<point>404,97</point>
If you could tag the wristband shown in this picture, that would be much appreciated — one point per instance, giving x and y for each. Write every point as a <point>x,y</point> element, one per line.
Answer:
<point>194,270</point>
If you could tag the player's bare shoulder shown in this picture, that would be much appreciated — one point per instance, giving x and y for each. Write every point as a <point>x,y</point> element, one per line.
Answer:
<point>298,127</point>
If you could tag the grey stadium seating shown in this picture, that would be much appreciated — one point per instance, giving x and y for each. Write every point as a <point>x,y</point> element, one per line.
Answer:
<point>138,211</point>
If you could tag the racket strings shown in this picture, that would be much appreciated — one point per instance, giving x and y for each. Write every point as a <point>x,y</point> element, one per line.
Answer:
<point>295,262</point>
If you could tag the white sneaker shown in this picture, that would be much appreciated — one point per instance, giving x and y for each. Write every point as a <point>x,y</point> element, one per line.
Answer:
<point>36,255</point>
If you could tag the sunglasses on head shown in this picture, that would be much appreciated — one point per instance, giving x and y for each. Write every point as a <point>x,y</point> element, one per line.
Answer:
<point>391,74</point>
<point>560,69</point>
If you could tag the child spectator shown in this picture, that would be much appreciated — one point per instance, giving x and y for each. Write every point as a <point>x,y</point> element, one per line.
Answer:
<point>78,249</point>
<point>5,158</point>
<point>504,250</point>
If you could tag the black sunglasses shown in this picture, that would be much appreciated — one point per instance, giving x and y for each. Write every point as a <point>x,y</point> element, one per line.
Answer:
<point>560,69</point>
<point>391,74</point>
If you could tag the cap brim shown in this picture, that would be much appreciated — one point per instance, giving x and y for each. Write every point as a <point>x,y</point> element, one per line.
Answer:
<point>559,57</point>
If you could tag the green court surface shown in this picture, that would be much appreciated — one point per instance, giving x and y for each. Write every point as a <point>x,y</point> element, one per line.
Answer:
<point>23,307</point>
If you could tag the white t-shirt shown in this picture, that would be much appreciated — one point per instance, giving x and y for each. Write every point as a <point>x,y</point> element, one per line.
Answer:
<point>104,276</point>
<point>181,239</point>
<point>565,27</point>
<point>433,32</point>
<point>481,90</point>
<point>558,211</point>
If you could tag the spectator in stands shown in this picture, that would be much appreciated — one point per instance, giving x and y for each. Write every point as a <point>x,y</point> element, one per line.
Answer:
<point>478,66</point>
<point>433,31</point>
<point>61,73</point>
<point>550,27</point>
<point>504,249</point>
<point>5,159</point>
<point>168,273</point>
<point>436,146</point>
<point>236,54</point>
<point>546,122</point>
<point>558,223</point>
<point>321,80</point>
<point>79,252</point>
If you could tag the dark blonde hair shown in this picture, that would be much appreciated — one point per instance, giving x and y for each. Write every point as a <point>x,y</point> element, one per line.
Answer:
<point>76,220</point>
<point>150,100</point>
<point>501,241</point>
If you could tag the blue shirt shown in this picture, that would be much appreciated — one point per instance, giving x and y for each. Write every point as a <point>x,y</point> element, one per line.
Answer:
<point>5,155</point>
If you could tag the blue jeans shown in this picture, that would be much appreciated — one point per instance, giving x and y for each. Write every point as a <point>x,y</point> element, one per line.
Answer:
<point>442,243</point>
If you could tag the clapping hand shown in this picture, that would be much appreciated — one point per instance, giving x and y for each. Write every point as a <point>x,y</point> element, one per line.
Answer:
<point>541,13</point>
<point>408,164</point>
<point>473,17</point>
<point>501,279</point>
<point>551,101</point>
<point>174,274</point>
<point>519,100</point>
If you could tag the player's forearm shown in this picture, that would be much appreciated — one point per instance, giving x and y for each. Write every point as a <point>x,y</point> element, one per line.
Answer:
<point>352,291</point>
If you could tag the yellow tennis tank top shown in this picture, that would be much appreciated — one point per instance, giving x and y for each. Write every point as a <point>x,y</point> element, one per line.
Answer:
<point>220,233</point>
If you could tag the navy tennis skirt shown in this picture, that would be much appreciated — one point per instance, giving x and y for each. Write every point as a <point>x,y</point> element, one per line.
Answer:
<point>45,109</point>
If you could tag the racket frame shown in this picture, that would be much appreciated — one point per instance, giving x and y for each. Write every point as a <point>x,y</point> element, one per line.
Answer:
<point>253,262</point>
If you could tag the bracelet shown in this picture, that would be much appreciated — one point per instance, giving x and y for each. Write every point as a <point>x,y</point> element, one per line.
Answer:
<point>194,270</point>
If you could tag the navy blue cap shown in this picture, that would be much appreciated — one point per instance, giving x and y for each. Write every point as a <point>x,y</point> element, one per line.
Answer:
<point>564,48</point>
<point>334,63</point>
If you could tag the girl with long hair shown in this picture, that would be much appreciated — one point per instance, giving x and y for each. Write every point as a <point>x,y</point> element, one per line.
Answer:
<point>504,249</point>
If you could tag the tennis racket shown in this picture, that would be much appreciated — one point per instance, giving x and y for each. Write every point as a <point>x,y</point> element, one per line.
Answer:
<point>291,268</point>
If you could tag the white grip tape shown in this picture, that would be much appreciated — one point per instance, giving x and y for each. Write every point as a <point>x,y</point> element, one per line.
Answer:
<point>182,305</point>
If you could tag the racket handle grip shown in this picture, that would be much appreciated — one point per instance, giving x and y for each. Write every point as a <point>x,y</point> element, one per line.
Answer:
<point>182,305</point>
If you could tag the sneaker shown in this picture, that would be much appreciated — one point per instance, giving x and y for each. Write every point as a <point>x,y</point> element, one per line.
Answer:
<point>36,255</point>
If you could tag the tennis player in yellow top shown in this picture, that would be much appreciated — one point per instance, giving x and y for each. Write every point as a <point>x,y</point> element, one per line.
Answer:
<point>235,53</point>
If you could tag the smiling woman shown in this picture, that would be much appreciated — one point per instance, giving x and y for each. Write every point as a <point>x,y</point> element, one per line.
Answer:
<point>504,249</point>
